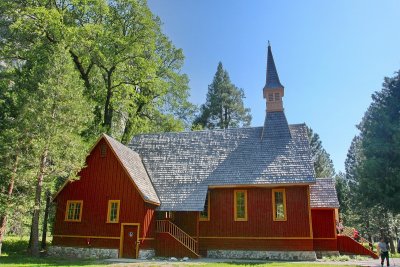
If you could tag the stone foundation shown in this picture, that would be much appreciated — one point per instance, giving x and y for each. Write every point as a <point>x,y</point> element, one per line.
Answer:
<point>82,253</point>
<point>263,255</point>
<point>321,254</point>
<point>146,254</point>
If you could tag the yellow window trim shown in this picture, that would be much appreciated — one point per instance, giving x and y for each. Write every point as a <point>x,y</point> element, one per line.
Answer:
<point>235,205</point>
<point>67,209</point>
<point>110,202</point>
<point>208,209</point>
<point>283,191</point>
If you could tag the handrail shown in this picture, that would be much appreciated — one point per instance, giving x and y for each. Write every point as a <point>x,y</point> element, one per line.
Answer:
<point>165,226</point>
<point>349,231</point>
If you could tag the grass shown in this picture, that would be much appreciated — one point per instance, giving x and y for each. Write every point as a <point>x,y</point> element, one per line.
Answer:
<point>14,255</point>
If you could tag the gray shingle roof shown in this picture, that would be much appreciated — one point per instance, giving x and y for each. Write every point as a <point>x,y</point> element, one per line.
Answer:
<point>276,126</point>
<point>133,164</point>
<point>183,165</point>
<point>272,80</point>
<point>323,194</point>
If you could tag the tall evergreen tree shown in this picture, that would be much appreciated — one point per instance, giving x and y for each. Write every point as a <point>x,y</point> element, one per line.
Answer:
<point>224,104</point>
<point>56,115</point>
<point>323,164</point>
<point>379,171</point>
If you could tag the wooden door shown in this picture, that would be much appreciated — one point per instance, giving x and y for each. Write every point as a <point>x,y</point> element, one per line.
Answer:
<point>130,241</point>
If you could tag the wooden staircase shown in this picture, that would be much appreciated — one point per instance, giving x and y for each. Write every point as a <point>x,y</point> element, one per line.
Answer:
<point>167,227</point>
<point>347,245</point>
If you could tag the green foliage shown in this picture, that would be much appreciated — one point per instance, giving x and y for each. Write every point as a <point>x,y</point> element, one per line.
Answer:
<point>343,192</point>
<point>224,104</point>
<point>69,71</point>
<point>130,69</point>
<point>379,171</point>
<point>323,164</point>
<point>372,177</point>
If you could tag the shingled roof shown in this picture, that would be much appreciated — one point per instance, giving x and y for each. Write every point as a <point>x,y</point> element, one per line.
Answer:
<point>183,165</point>
<point>323,194</point>
<point>132,163</point>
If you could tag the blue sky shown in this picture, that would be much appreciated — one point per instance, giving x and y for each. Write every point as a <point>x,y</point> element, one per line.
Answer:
<point>330,55</point>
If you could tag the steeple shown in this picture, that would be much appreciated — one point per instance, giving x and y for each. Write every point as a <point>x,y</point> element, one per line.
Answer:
<point>273,90</point>
<point>275,124</point>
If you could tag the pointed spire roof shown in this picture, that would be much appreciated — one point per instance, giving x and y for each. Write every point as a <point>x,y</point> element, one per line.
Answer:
<point>272,81</point>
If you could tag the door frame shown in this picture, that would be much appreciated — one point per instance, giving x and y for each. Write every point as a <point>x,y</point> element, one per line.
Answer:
<point>121,240</point>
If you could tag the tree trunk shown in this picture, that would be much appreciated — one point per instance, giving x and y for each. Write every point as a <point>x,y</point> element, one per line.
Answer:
<point>392,247</point>
<point>45,219</point>
<point>36,210</point>
<point>108,109</point>
<point>3,223</point>
<point>3,218</point>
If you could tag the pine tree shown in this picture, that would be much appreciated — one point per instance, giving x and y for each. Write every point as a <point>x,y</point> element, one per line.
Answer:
<point>55,116</point>
<point>323,164</point>
<point>224,104</point>
<point>379,170</point>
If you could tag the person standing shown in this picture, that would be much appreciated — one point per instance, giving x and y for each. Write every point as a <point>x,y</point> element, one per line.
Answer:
<point>383,250</point>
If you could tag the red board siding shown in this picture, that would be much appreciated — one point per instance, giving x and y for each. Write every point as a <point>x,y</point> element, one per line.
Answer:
<point>325,244</point>
<point>187,221</point>
<point>103,179</point>
<point>259,207</point>
<point>168,246</point>
<point>347,245</point>
<point>323,222</point>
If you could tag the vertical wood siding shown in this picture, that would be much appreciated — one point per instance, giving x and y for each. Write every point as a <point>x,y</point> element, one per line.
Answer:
<point>260,218</point>
<point>259,222</point>
<point>323,223</point>
<point>168,246</point>
<point>324,229</point>
<point>103,179</point>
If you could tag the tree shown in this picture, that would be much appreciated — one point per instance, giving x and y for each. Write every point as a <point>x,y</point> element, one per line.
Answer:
<point>379,170</point>
<point>224,104</point>
<point>46,113</point>
<point>131,71</point>
<point>323,164</point>
<point>343,192</point>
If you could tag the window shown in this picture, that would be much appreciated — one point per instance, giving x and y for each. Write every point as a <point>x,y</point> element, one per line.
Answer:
<point>279,204</point>
<point>169,215</point>
<point>240,205</point>
<point>103,150</point>
<point>270,97</point>
<point>113,211</point>
<point>277,97</point>
<point>205,214</point>
<point>73,212</point>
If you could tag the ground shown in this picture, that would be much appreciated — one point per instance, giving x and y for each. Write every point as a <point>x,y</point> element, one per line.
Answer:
<point>15,256</point>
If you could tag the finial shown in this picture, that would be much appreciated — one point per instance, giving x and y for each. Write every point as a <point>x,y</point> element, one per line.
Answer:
<point>269,44</point>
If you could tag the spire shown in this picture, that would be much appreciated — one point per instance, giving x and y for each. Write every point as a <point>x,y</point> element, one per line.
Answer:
<point>273,90</point>
<point>272,80</point>
<point>275,124</point>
